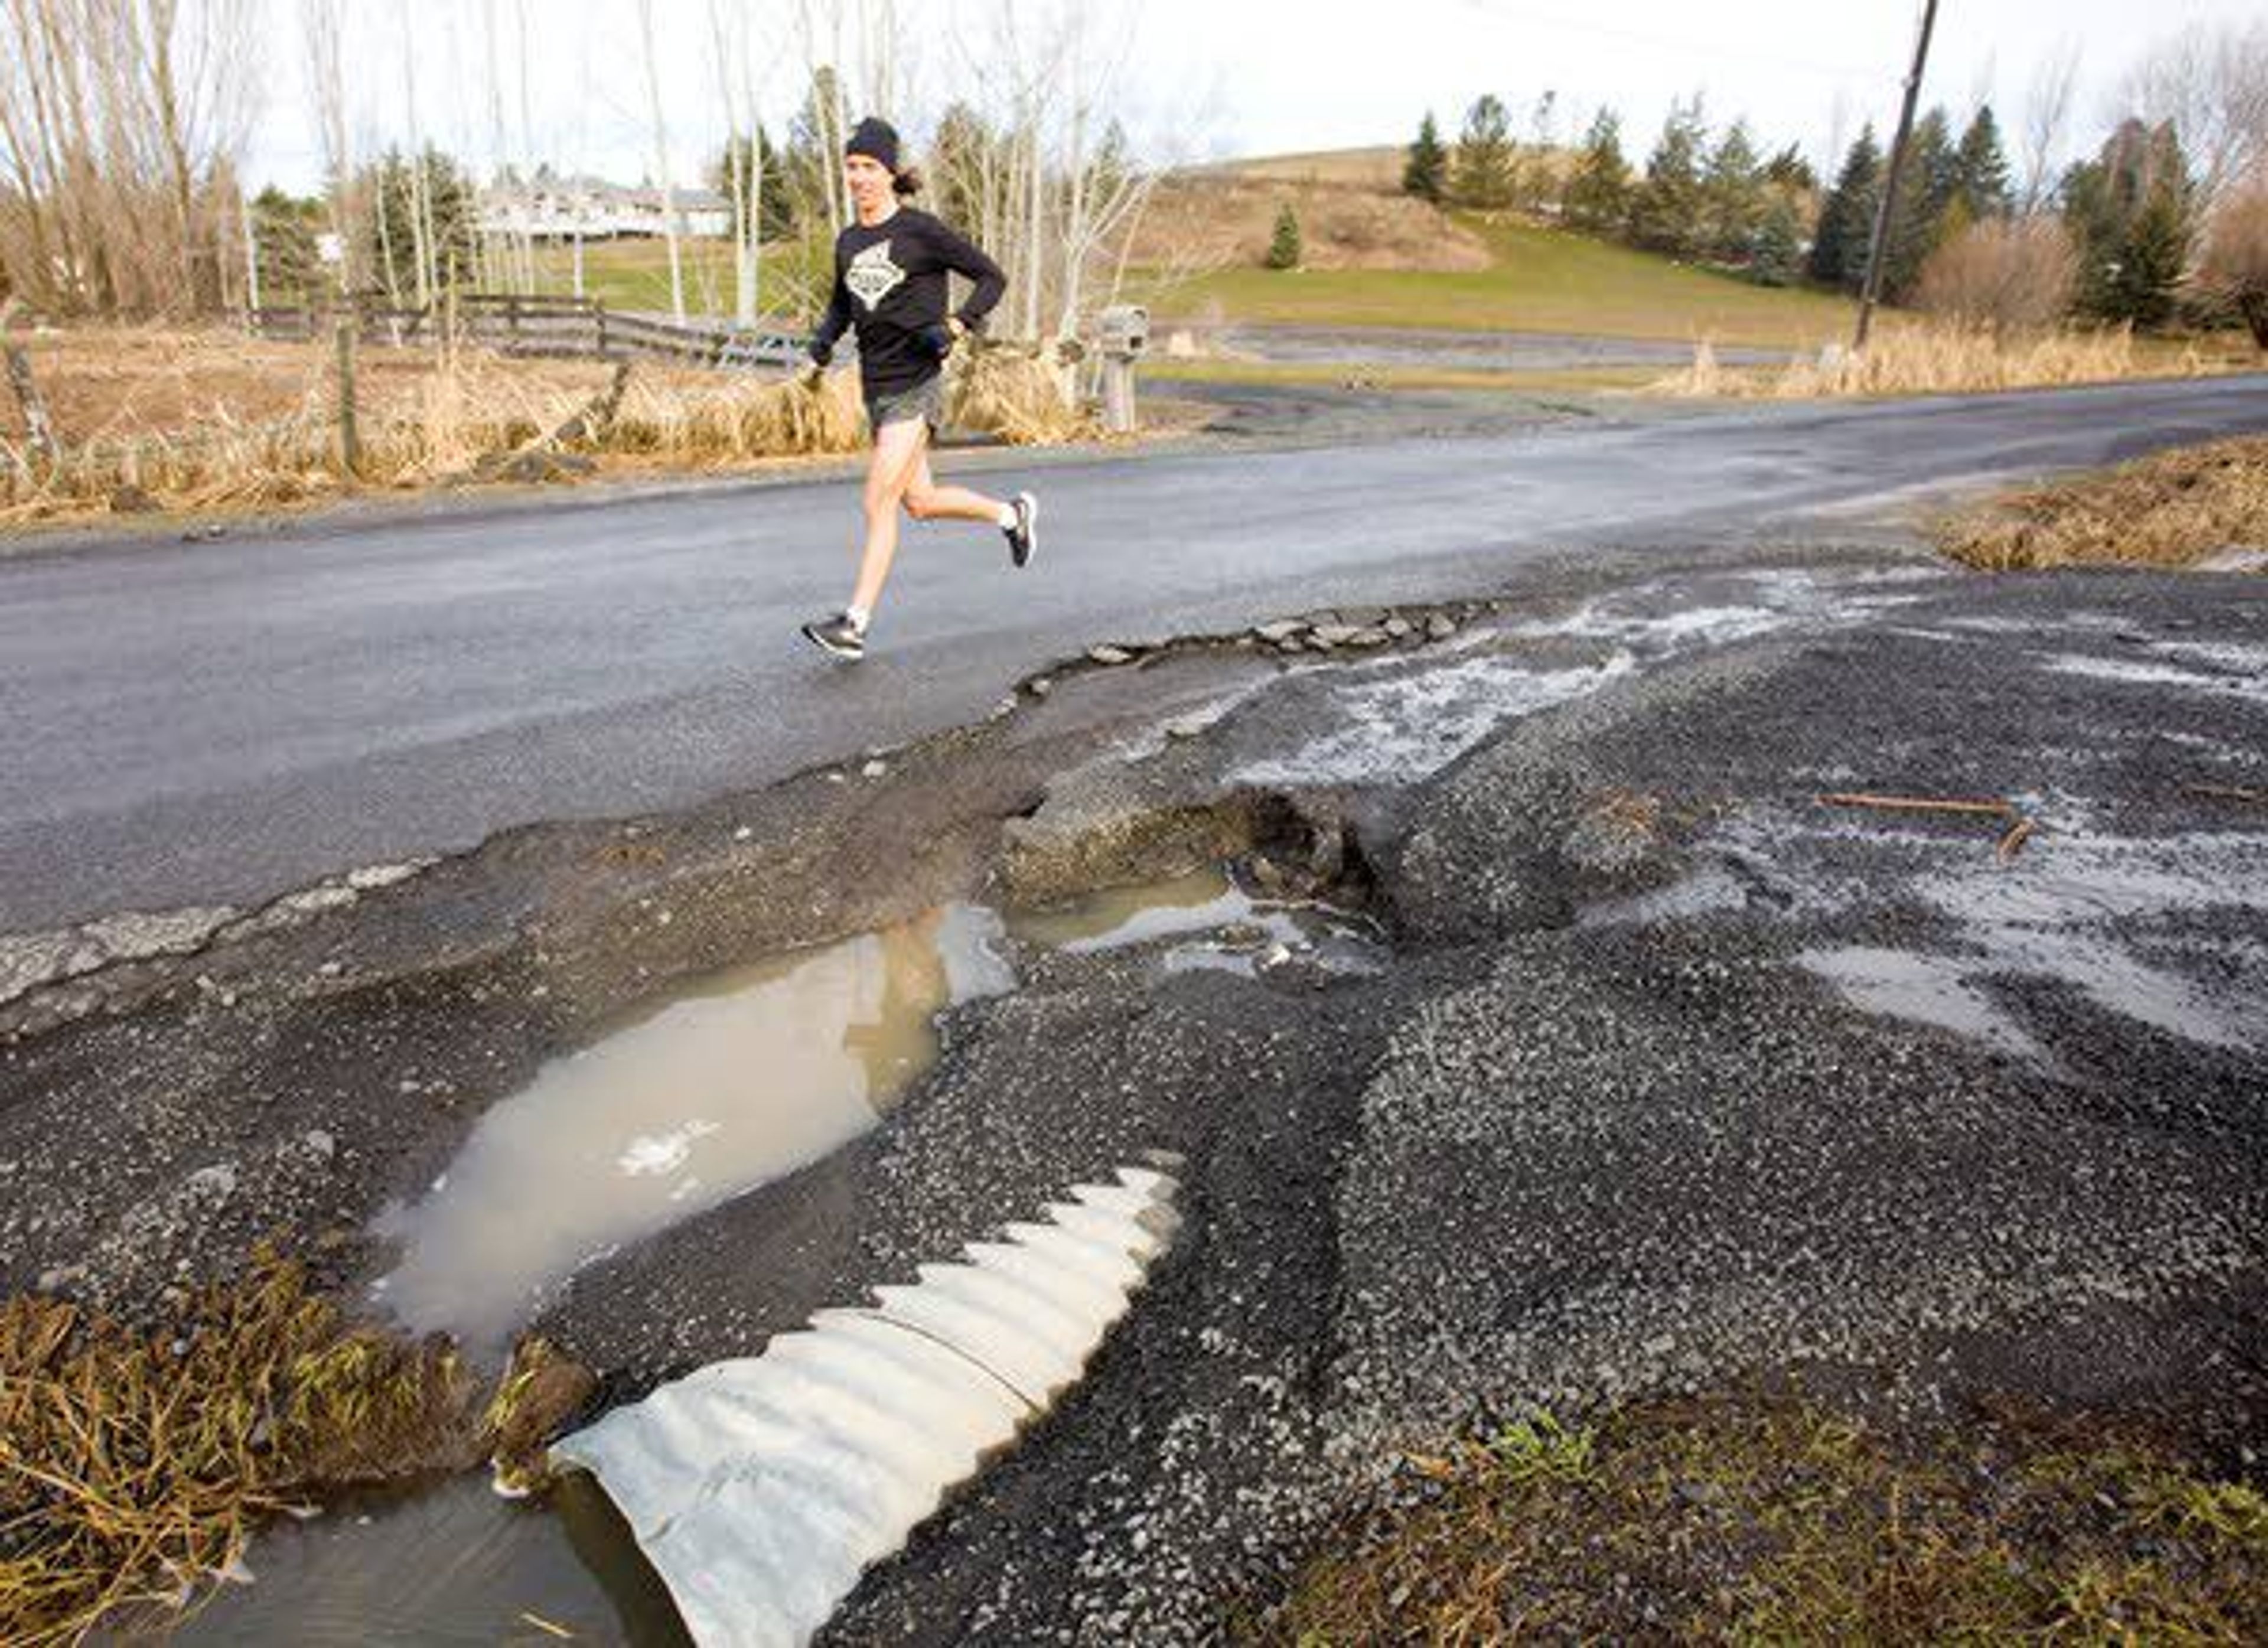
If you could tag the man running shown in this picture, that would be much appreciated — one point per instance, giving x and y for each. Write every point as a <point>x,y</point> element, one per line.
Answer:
<point>890,269</point>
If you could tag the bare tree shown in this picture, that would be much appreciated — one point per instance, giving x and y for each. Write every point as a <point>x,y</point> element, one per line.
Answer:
<point>2047,114</point>
<point>2213,85</point>
<point>325,22</point>
<point>2235,267</point>
<point>121,122</point>
<point>660,134</point>
<point>2011,274</point>
<point>1050,185</point>
<point>744,158</point>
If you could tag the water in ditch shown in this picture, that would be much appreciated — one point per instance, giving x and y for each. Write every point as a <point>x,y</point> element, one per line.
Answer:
<point>725,1084</point>
<point>737,1079</point>
<point>722,1085</point>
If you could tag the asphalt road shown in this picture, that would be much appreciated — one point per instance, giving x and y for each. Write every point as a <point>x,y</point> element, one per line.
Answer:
<point>220,721</point>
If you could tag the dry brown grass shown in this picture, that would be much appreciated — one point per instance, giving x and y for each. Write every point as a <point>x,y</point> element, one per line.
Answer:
<point>134,1464</point>
<point>1754,1521</point>
<point>212,422</point>
<point>1212,220</point>
<point>1014,392</point>
<point>1942,358</point>
<point>1378,168</point>
<point>2168,510</point>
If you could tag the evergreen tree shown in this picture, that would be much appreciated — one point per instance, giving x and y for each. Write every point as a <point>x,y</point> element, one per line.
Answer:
<point>1846,221</point>
<point>1482,175</point>
<point>1926,193</point>
<point>1665,214</point>
<point>1775,250</point>
<point>1981,168</point>
<point>390,250</point>
<point>1598,193</point>
<point>2149,276</point>
<point>1732,196</point>
<point>775,211</point>
<point>284,230</point>
<point>2131,210</point>
<point>1284,250</point>
<point>1790,172</point>
<point>1426,172</point>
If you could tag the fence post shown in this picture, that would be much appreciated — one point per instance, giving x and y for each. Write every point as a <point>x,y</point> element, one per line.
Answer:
<point>350,439</point>
<point>38,430</point>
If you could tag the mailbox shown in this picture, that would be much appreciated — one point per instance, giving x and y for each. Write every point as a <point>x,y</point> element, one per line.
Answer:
<point>1125,329</point>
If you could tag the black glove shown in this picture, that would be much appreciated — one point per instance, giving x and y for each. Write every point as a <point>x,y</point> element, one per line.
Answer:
<point>820,352</point>
<point>939,339</point>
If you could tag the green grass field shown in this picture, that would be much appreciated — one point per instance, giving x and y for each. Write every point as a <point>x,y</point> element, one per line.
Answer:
<point>635,274</point>
<point>1542,280</point>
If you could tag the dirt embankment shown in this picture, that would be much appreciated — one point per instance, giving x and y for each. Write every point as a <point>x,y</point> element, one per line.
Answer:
<point>1220,220</point>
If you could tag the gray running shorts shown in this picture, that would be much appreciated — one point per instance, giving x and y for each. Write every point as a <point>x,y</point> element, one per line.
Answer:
<point>925,400</point>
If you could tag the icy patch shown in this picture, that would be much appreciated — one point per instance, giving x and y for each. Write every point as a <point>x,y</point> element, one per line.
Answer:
<point>1709,891</point>
<point>2070,909</point>
<point>1932,989</point>
<point>1406,728</point>
<point>2139,674</point>
<point>2221,655</point>
<point>1712,625</point>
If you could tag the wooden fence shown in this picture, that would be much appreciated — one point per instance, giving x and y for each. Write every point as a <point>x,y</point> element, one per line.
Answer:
<point>512,324</point>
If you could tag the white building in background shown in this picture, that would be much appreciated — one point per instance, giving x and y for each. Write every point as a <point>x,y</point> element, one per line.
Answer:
<point>550,207</point>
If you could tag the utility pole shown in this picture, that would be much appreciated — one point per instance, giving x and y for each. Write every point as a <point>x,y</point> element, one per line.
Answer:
<point>1882,207</point>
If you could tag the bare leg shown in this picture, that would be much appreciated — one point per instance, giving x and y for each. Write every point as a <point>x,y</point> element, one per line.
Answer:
<point>898,455</point>
<point>925,500</point>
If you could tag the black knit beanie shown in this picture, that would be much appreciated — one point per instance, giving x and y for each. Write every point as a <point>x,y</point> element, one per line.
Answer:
<point>877,140</point>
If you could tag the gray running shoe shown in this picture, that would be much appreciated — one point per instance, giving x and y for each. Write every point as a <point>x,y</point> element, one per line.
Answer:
<point>838,637</point>
<point>1024,536</point>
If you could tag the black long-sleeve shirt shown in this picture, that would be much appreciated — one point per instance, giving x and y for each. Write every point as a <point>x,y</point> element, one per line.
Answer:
<point>890,284</point>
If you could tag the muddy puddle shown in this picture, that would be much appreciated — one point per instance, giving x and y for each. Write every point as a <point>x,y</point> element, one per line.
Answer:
<point>737,1079</point>
<point>1219,924</point>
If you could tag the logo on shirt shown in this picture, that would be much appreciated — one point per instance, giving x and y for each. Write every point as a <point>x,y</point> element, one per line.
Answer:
<point>872,277</point>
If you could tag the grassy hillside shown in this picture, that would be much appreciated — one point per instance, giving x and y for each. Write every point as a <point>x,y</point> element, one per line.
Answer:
<point>1378,168</point>
<point>1540,280</point>
<point>1534,279</point>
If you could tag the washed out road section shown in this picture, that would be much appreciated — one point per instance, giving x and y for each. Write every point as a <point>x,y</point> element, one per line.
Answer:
<point>217,722</point>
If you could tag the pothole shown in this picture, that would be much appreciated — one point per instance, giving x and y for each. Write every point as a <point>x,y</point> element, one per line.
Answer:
<point>1224,926</point>
<point>734,1081</point>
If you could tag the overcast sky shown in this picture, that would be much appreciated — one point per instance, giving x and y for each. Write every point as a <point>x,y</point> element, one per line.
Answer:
<point>1214,78</point>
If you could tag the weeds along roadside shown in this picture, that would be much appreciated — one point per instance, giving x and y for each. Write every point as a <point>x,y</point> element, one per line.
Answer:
<point>1939,358</point>
<point>2174,508</point>
<point>206,423</point>
<point>136,1461</point>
